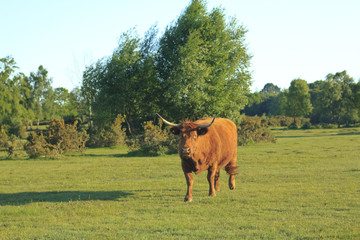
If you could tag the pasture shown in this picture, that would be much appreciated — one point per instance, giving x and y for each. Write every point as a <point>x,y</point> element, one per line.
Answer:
<point>305,186</point>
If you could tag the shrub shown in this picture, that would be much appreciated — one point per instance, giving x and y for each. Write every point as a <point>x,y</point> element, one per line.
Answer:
<point>3,138</point>
<point>57,139</point>
<point>328,125</point>
<point>117,132</point>
<point>306,125</point>
<point>11,144</point>
<point>65,137</point>
<point>155,140</point>
<point>254,130</point>
<point>108,137</point>
<point>37,145</point>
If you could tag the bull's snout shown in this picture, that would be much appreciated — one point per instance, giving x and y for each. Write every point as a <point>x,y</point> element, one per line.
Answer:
<point>186,150</point>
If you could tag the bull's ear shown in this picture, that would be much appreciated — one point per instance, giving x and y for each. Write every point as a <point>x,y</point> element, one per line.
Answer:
<point>175,130</point>
<point>202,131</point>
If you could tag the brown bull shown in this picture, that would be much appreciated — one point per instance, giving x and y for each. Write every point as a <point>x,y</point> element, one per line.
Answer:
<point>206,144</point>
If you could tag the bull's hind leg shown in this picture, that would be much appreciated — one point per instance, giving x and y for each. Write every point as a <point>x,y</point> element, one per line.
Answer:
<point>217,177</point>
<point>231,170</point>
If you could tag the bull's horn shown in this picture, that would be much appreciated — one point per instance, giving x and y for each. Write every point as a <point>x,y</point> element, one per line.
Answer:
<point>207,125</point>
<point>168,123</point>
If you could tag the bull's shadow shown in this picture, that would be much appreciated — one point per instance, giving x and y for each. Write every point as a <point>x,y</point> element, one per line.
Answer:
<point>23,198</point>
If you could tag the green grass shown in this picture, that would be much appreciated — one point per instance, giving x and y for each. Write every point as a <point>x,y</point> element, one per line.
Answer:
<point>306,186</point>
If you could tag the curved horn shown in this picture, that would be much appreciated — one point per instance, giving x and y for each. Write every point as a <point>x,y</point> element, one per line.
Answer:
<point>207,125</point>
<point>168,123</point>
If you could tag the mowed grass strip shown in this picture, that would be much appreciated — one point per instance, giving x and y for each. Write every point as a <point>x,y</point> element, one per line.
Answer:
<point>306,186</point>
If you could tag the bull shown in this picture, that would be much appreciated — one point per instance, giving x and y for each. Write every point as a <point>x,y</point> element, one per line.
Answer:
<point>206,144</point>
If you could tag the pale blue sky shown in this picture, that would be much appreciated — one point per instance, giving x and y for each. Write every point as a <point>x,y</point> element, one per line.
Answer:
<point>288,38</point>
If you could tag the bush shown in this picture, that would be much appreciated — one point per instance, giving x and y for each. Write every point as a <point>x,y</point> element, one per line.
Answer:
<point>328,125</point>
<point>37,146</point>
<point>155,140</point>
<point>306,125</point>
<point>65,137</point>
<point>112,136</point>
<point>3,138</point>
<point>296,124</point>
<point>11,144</point>
<point>254,130</point>
<point>57,139</point>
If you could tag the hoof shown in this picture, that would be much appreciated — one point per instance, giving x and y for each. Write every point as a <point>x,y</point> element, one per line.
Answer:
<point>187,199</point>
<point>232,186</point>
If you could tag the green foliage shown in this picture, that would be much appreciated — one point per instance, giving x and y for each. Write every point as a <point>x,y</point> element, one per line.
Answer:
<point>203,65</point>
<point>306,125</point>
<point>270,101</point>
<point>37,146</point>
<point>335,100</point>
<point>199,67</point>
<point>56,140</point>
<point>14,97</point>
<point>9,143</point>
<point>125,83</point>
<point>280,121</point>
<point>298,99</point>
<point>108,137</point>
<point>65,137</point>
<point>155,140</point>
<point>13,144</point>
<point>254,130</point>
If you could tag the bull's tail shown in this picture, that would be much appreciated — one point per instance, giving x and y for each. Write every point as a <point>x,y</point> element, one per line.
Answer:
<point>231,170</point>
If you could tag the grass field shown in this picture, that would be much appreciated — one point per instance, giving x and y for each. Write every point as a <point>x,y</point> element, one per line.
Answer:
<point>305,186</point>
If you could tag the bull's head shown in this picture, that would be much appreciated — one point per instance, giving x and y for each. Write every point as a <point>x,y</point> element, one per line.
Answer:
<point>190,134</point>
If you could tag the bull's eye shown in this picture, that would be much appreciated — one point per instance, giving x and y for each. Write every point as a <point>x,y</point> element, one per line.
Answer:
<point>202,131</point>
<point>175,130</point>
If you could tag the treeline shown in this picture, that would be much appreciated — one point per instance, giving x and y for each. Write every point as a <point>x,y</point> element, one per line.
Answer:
<point>27,100</point>
<point>334,100</point>
<point>198,67</point>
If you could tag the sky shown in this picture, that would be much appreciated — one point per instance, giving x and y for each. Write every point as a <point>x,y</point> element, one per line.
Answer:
<point>288,39</point>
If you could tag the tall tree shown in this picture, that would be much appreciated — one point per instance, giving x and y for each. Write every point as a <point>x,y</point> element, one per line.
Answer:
<point>268,101</point>
<point>14,96</point>
<point>334,100</point>
<point>298,99</point>
<point>125,83</point>
<point>270,89</point>
<point>203,65</point>
<point>8,67</point>
<point>40,85</point>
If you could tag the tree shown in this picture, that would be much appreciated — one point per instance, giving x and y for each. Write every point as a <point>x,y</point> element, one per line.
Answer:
<point>7,69</point>
<point>203,65</point>
<point>268,101</point>
<point>40,86</point>
<point>334,100</point>
<point>125,83</point>
<point>298,99</point>
<point>76,104</point>
<point>270,89</point>
<point>14,97</point>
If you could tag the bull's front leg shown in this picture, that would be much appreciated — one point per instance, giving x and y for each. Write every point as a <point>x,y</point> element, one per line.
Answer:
<point>190,182</point>
<point>211,179</point>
